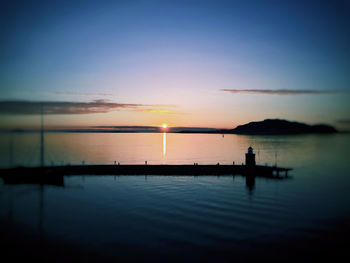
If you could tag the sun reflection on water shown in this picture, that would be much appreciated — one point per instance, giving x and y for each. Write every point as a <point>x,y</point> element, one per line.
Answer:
<point>164,144</point>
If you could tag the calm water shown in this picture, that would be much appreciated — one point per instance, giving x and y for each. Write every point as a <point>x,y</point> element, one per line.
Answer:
<point>181,218</point>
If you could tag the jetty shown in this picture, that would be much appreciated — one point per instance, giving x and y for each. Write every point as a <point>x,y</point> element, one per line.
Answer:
<point>55,174</point>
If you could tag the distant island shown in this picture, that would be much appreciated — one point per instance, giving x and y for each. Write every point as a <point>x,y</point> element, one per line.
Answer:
<point>277,126</point>
<point>273,127</point>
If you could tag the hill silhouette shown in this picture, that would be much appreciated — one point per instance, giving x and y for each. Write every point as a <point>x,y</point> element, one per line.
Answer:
<point>277,126</point>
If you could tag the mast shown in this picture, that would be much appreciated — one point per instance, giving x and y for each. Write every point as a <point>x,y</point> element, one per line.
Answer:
<point>11,149</point>
<point>42,136</point>
<point>276,158</point>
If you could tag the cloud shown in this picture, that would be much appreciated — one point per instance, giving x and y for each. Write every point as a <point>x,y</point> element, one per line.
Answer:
<point>64,107</point>
<point>82,93</point>
<point>124,127</point>
<point>280,91</point>
<point>157,111</point>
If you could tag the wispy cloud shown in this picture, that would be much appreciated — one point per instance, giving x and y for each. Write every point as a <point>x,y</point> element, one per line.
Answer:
<point>64,107</point>
<point>157,111</point>
<point>281,91</point>
<point>124,127</point>
<point>82,94</point>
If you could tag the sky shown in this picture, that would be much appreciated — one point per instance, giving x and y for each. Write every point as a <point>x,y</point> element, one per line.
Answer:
<point>185,63</point>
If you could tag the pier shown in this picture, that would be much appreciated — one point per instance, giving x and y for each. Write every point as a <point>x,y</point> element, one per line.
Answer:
<point>54,175</point>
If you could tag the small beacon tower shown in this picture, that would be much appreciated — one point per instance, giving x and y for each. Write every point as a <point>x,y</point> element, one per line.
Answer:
<point>250,157</point>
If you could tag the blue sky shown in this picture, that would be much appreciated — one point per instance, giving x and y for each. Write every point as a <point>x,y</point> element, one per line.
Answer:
<point>175,59</point>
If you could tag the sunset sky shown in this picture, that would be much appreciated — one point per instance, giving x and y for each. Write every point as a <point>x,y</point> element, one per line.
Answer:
<point>185,63</point>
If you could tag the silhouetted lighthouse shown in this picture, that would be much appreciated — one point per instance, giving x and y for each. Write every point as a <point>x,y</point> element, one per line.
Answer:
<point>250,157</point>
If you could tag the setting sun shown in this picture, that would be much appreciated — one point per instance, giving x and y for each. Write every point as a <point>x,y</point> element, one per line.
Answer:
<point>164,126</point>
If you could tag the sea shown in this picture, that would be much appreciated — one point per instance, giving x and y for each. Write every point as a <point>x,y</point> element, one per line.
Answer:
<point>304,218</point>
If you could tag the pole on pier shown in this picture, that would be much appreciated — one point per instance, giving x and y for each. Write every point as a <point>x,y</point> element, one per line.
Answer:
<point>11,149</point>
<point>42,161</point>
<point>276,159</point>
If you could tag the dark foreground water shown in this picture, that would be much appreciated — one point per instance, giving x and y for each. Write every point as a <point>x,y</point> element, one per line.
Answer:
<point>177,218</point>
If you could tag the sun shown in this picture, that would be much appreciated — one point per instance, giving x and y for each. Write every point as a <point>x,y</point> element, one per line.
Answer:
<point>164,126</point>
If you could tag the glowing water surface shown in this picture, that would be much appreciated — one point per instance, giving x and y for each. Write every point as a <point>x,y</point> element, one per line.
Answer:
<point>184,218</point>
